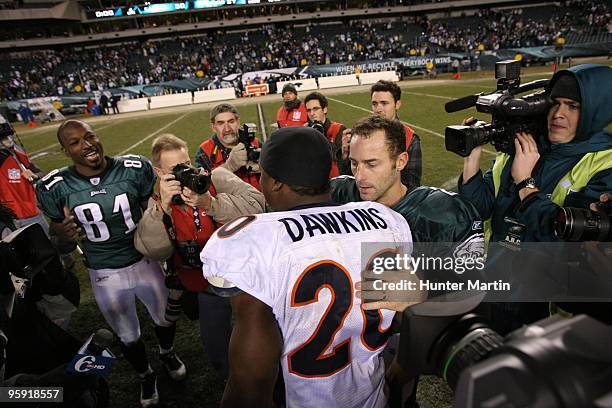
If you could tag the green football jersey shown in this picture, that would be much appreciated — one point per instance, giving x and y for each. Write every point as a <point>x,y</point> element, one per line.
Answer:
<point>107,207</point>
<point>433,214</point>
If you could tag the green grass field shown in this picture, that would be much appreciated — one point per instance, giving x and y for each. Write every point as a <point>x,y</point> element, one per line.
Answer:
<point>422,108</point>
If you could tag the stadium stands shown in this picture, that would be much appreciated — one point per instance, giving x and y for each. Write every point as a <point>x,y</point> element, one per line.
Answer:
<point>141,61</point>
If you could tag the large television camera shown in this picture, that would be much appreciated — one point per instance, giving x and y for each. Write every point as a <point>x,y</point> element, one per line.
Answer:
<point>555,362</point>
<point>510,114</point>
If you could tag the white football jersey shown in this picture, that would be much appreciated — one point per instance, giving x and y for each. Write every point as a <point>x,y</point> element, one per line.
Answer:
<point>303,264</point>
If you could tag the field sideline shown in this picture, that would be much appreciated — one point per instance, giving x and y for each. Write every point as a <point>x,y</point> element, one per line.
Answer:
<point>422,108</point>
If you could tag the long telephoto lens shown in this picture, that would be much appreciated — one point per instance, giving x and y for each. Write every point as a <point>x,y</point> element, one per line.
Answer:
<point>581,224</point>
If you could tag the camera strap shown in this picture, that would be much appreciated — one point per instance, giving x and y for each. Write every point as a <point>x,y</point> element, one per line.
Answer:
<point>167,220</point>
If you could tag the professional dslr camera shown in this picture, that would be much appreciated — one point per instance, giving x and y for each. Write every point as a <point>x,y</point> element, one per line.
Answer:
<point>246,136</point>
<point>555,362</point>
<point>191,178</point>
<point>318,126</point>
<point>510,114</point>
<point>582,224</point>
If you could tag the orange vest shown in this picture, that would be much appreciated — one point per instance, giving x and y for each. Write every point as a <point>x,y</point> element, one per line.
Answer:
<point>294,117</point>
<point>409,133</point>
<point>332,132</point>
<point>217,157</point>
<point>184,225</point>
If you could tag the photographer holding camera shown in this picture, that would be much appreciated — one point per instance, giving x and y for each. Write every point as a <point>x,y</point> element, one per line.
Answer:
<point>569,166</point>
<point>182,215</point>
<point>316,108</point>
<point>230,146</point>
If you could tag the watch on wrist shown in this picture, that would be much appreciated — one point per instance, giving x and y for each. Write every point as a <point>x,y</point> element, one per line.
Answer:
<point>529,183</point>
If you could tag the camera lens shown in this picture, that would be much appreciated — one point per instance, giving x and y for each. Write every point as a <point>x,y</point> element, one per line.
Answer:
<point>580,224</point>
<point>465,343</point>
<point>199,183</point>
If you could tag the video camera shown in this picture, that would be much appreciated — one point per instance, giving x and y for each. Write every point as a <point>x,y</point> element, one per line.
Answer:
<point>510,114</point>
<point>555,362</point>
<point>246,136</point>
<point>582,224</point>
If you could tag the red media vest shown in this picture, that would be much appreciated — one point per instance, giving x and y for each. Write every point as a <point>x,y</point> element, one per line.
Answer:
<point>294,117</point>
<point>409,133</point>
<point>185,229</point>
<point>16,192</point>
<point>332,133</point>
<point>217,158</point>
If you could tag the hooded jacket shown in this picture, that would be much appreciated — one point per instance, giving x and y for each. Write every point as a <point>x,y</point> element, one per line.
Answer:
<point>537,212</point>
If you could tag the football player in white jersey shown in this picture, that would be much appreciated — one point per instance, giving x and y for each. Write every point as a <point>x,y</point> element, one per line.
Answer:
<point>295,270</point>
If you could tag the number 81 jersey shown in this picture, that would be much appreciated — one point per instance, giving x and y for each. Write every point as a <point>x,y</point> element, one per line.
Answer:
<point>106,207</point>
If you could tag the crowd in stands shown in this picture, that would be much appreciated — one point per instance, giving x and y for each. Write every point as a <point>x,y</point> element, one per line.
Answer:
<point>510,28</point>
<point>215,54</point>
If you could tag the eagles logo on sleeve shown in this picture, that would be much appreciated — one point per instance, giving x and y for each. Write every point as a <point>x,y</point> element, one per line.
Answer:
<point>107,207</point>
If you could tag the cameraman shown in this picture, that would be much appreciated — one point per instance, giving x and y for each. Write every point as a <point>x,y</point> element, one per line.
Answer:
<point>191,220</point>
<point>570,166</point>
<point>224,147</point>
<point>316,108</point>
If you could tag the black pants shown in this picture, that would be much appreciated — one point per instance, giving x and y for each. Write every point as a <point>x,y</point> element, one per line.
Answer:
<point>216,329</point>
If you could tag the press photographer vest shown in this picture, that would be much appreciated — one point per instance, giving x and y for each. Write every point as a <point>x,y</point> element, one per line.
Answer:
<point>215,155</point>
<point>409,133</point>
<point>332,133</point>
<point>185,229</point>
<point>574,180</point>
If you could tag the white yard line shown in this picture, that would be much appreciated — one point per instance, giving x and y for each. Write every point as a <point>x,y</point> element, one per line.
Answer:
<point>409,124</point>
<point>262,125</point>
<point>153,134</point>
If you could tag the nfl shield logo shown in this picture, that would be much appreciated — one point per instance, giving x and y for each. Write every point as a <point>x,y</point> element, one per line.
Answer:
<point>14,174</point>
<point>95,181</point>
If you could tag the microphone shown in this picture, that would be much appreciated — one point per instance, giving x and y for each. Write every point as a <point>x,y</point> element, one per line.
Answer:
<point>94,357</point>
<point>100,341</point>
<point>461,103</point>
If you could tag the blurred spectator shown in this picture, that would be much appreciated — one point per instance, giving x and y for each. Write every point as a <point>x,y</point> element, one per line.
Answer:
<point>17,177</point>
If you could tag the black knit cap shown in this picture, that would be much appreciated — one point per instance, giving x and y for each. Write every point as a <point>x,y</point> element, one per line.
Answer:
<point>298,156</point>
<point>566,87</point>
<point>289,88</point>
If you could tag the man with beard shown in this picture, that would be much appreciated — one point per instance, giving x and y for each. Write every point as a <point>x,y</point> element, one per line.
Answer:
<point>292,112</point>
<point>225,149</point>
<point>98,202</point>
